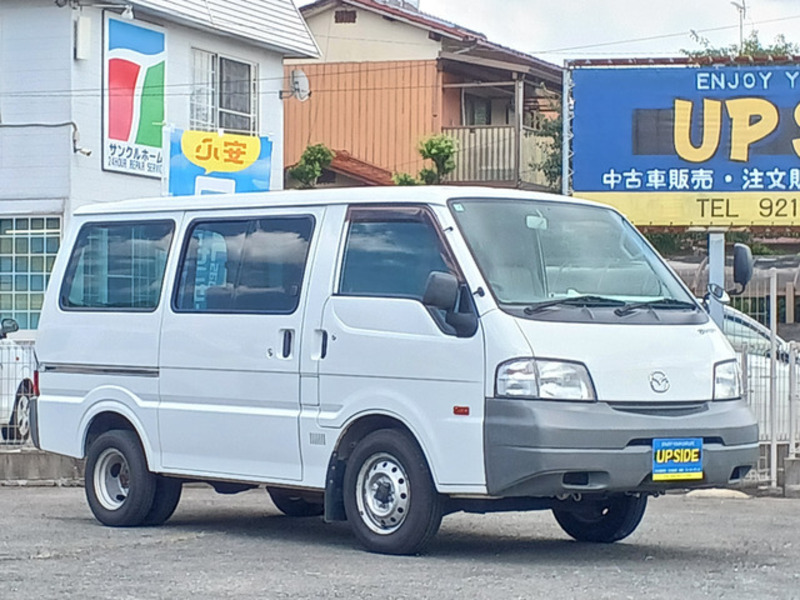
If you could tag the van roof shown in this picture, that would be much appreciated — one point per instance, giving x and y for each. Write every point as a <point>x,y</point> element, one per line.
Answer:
<point>359,195</point>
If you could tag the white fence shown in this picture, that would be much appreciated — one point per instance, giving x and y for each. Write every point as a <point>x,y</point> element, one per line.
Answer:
<point>769,364</point>
<point>17,367</point>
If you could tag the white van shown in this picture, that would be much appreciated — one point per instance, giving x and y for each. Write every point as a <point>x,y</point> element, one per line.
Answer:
<point>385,356</point>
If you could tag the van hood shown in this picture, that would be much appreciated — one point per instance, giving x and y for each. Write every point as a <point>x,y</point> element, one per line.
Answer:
<point>636,363</point>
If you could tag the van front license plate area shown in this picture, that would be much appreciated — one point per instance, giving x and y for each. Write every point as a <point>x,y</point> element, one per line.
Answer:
<point>677,459</point>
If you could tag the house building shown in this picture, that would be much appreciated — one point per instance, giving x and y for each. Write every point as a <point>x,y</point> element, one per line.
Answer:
<point>389,75</point>
<point>87,90</point>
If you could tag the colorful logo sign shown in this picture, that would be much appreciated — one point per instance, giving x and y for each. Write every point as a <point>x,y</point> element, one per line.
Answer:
<point>203,162</point>
<point>690,146</point>
<point>134,107</point>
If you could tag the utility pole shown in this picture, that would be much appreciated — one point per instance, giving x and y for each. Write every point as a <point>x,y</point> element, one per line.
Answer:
<point>742,8</point>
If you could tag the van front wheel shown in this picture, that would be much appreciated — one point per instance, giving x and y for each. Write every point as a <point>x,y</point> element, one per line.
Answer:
<point>605,521</point>
<point>119,488</point>
<point>389,496</point>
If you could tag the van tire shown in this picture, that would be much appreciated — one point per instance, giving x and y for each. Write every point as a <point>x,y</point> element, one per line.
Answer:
<point>603,521</point>
<point>165,500</point>
<point>389,496</point>
<point>119,488</point>
<point>293,504</point>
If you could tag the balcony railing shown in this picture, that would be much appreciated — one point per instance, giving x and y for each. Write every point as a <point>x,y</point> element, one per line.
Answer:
<point>488,154</point>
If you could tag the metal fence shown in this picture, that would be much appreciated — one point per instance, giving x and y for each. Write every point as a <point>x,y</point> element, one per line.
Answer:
<point>17,367</point>
<point>769,363</point>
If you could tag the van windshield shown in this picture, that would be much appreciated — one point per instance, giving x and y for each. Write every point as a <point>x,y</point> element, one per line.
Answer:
<point>553,260</point>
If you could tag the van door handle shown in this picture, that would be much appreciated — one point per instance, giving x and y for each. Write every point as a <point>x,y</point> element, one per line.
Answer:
<point>324,349</point>
<point>288,336</point>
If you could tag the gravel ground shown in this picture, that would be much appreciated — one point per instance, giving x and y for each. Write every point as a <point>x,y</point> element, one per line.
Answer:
<point>696,546</point>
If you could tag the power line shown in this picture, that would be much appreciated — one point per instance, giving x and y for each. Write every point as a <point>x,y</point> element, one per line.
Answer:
<point>660,37</point>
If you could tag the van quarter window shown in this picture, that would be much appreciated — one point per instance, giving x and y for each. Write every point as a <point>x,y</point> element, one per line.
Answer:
<point>244,266</point>
<point>117,266</point>
<point>391,253</point>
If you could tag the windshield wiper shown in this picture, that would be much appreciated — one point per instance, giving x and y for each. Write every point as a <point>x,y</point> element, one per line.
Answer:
<point>667,303</point>
<point>582,301</point>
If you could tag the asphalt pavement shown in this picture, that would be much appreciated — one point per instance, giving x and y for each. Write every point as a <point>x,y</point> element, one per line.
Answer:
<point>706,546</point>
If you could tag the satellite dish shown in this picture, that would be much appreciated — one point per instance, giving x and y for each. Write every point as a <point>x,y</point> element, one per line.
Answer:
<point>298,81</point>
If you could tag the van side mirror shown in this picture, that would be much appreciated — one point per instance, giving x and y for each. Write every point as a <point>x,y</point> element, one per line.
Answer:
<point>441,291</point>
<point>742,266</point>
<point>7,326</point>
<point>444,294</point>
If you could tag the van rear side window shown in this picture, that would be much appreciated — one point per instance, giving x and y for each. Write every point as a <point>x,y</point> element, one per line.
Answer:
<point>244,266</point>
<point>117,266</point>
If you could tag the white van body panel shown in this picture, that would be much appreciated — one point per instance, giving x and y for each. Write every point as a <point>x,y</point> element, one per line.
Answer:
<point>86,350</point>
<point>63,405</point>
<point>622,358</point>
<point>230,378</point>
<point>387,356</point>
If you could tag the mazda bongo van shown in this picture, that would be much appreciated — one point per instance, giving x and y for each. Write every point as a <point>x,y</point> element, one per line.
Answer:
<point>386,357</point>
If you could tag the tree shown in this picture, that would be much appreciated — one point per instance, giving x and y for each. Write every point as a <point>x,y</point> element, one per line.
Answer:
<point>314,159</point>
<point>751,46</point>
<point>441,150</point>
<point>550,165</point>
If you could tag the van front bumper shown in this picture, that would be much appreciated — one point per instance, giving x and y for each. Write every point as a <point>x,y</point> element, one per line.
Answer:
<point>547,448</point>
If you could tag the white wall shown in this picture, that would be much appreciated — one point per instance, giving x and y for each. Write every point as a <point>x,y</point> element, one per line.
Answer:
<point>41,81</point>
<point>370,38</point>
<point>35,71</point>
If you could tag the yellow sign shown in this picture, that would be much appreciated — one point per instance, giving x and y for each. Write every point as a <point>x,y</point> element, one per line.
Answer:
<point>217,153</point>
<point>704,209</point>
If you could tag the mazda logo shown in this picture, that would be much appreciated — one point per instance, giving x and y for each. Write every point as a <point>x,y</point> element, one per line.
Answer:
<point>659,382</point>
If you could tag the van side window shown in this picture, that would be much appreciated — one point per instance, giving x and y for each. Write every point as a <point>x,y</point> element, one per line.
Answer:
<point>391,253</point>
<point>250,266</point>
<point>117,266</point>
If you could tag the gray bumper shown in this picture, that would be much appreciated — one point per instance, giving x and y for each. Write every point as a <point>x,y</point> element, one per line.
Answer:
<point>545,448</point>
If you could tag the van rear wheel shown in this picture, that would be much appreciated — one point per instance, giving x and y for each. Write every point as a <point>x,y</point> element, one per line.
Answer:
<point>165,500</point>
<point>119,488</point>
<point>389,495</point>
<point>605,521</point>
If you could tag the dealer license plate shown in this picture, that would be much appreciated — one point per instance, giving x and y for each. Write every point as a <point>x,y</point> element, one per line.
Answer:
<point>677,459</point>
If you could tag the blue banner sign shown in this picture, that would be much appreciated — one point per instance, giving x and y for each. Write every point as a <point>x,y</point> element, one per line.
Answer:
<point>690,145</point>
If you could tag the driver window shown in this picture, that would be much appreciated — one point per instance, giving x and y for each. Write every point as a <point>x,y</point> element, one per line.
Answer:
<point>391,253</point>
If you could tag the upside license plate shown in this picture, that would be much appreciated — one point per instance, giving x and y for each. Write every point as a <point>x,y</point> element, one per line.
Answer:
<point>677,459</point>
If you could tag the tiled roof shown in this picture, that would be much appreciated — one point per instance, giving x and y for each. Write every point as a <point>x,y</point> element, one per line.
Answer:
<point>435,24</point>
<point>276,24</point>
<point>346,164</point>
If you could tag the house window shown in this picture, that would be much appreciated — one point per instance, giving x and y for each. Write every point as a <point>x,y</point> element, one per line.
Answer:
<point>28,248</point>
<point>477,110</point>
<point>344,16</point>
<point>224,94</point>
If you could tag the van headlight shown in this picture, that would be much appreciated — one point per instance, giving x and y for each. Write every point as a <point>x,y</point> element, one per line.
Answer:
<point>530,378</point>
<point>727,380</point>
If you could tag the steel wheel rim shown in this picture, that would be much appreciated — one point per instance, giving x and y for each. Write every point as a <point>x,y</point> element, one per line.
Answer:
<point>23,417</point>
<point>383,494</point>
<point>112,479</point>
